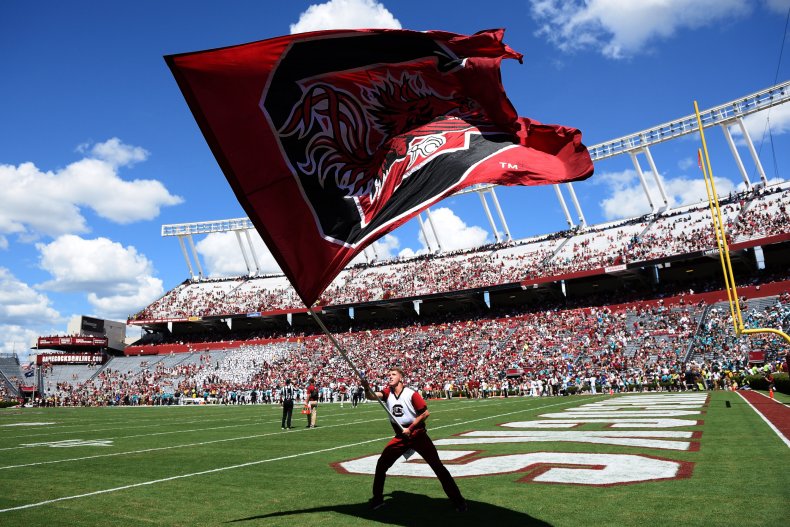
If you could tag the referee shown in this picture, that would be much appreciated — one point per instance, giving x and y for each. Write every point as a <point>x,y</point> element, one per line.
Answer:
<point>287,401</point>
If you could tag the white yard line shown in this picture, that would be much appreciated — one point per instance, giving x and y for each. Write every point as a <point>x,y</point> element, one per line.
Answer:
<point>133,424</point>
<point>785,440</point>
<point>171,447</point>
<point>268,460</point>
<point>256,423</point>
<point>373,410</point>
<point>130,424</point>
<point>78,432</point>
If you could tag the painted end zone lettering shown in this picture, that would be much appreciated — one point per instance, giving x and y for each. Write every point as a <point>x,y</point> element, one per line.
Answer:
<point>662,439</point>
<point>540,467</point>
<point>610,423</point>
<point>630,421</point>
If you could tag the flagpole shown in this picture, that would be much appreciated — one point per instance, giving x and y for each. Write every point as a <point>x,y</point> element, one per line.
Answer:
<point>348,360</point>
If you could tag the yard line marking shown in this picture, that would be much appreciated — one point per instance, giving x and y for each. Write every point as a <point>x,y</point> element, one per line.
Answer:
<point>28,423</point>
<point>171,447</point>
<point>266,408</point>
<point>260,461</point>
<point>784,439</point>
<point>153,433</point>
<point>256,423</point>
<point>132,419</point>
<point>135,426</point>
<point>376,410</point>
<point>88,429</point>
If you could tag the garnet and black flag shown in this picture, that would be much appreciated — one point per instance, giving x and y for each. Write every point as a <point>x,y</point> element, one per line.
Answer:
<point>334,138</point>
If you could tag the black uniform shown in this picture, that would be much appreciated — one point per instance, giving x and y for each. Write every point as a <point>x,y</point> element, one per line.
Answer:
<point>357,396</point>
<point>287,400</point>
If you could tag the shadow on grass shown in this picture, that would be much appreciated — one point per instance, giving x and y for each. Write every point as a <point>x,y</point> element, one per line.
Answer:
<point>408,509</point>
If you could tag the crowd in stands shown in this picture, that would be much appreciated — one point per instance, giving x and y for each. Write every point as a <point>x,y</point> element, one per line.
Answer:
<point>545,352</point>
<point>768,216</point>
<point>760,212</point>
<point>5,393</point>
<point>716,338</point>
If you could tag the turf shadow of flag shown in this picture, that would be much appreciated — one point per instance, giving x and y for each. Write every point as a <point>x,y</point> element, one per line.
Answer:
<point>332,139</point>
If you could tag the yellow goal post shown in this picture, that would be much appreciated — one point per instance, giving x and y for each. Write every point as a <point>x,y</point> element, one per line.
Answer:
<point>721,242</point>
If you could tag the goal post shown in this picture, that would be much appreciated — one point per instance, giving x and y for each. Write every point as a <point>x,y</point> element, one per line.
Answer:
<point>721,242</point>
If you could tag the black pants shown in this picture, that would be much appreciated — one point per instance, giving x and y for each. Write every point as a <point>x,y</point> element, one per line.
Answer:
<point>420,442</point>
<point>288,410</point>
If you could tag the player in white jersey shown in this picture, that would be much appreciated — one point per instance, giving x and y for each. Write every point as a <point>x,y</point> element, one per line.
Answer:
<point>409,409</point>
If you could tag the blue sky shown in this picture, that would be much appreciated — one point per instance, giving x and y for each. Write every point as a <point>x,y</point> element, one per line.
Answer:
<point>98,148</point>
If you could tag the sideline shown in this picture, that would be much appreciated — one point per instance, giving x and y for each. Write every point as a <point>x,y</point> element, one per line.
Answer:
<point>771,412</point>
<point>268,460</point>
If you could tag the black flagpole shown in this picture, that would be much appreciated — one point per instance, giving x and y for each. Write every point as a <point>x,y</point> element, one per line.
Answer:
<point>348,360</point>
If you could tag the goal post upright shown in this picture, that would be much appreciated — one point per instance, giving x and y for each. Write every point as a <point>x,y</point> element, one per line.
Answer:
<point>721,242</point>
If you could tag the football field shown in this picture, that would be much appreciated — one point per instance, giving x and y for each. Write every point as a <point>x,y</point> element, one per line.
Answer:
<point>643,459</point>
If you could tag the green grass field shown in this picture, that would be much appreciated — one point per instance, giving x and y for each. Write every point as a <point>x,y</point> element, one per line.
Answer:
<point>234,466</point>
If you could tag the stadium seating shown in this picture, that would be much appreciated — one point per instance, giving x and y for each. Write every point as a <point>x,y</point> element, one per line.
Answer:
<point>10,375</point>
<point>653,344</point>
<point>761,213</point>
<point>656,344</point>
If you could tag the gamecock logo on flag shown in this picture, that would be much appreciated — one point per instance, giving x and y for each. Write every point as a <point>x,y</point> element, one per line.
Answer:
<point>332,139</point>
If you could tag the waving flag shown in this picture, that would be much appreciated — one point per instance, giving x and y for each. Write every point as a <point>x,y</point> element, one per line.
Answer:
<point>334,138</point>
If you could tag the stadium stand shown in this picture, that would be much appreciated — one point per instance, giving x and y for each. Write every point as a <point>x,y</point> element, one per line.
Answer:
<point>716,341</point>
<point>634,346</point>
<point>657,336</point>
<point>754,215</point>
<point>10,376</point>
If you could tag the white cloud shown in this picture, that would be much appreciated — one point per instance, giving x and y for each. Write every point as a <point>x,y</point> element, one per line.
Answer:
<point>408,252</point>
<point>622,28</point>
<point>628,200</point>
<point>129,298</point>
<point>118,154</point>
<point>345,14</point>
<point>777,117</point>
<point>95,184</point>
<point>453,232</point>
<point>686,163</point>
<point>222,255</point>
<point>386,246</point>
<point>778,6</point>
<point>116,279</point>
<point>35,203</point>
<point>31,203</point>
<point>18,339</point>
<point>382,249</point>
<point>21,304</point>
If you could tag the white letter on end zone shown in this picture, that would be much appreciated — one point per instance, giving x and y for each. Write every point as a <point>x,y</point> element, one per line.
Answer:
<point>542,467</point>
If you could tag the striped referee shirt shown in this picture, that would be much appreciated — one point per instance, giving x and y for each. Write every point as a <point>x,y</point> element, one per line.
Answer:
<point>287,393</point>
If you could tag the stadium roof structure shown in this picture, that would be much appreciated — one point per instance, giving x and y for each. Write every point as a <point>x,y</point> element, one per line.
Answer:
<point>724,115</point>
